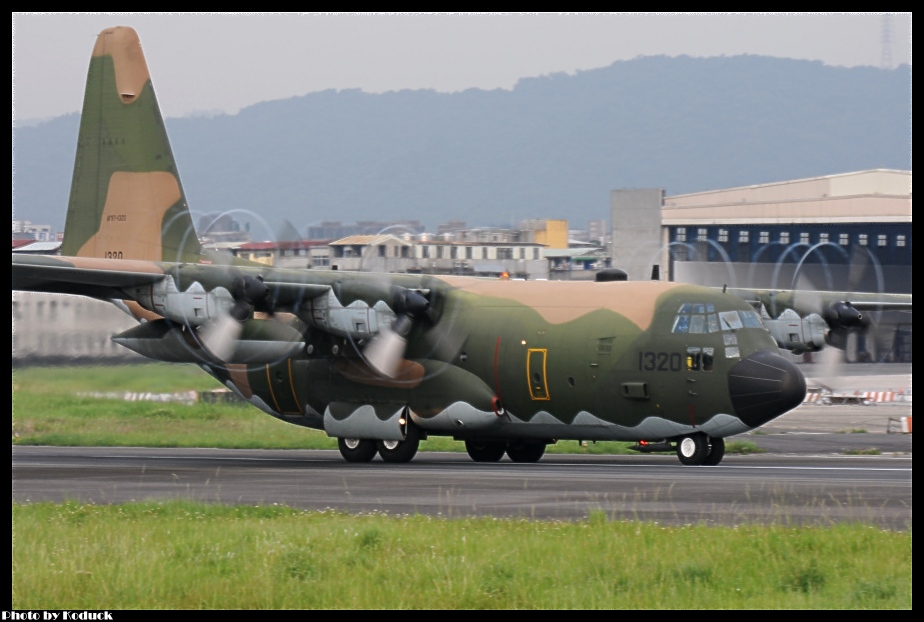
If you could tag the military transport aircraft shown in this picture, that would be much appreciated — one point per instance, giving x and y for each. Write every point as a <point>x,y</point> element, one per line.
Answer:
<point>381,362</point>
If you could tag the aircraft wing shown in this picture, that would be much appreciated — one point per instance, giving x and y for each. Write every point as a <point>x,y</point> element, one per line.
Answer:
<point>221,302</point>
<point>805,302</point>
<point>115,278</point>
<point>97,278</point>
<point>806,321</point>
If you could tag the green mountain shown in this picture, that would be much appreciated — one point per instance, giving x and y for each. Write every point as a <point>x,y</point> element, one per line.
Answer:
<point>552,147</point>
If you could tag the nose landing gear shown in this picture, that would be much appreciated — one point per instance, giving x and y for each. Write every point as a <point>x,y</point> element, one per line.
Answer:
<point>698,449</point>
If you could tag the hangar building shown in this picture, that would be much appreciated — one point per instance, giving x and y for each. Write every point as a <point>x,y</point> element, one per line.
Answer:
<point>849,232</point>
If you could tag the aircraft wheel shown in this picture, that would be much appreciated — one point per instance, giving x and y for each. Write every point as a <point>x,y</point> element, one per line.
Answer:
<point>357,449</point>
<point>716,452</point>
<point>693,449</point>
<point>401,451</point>
<point>525,451</point>
<point>485,451</point>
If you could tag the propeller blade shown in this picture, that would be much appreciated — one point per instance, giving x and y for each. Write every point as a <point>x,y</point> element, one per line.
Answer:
<point>219,337</point>
<point>806,298</point>
<point>386,352</point>
<point>859,264</point>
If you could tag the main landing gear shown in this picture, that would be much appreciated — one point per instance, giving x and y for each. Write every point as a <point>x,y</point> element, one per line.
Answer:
<point>401,451</point>
<point>492,451</point>
<point>364,449</point>
<point>357,449</point>
<point>699,449</point>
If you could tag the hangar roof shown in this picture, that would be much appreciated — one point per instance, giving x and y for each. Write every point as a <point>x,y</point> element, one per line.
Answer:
<point>879,195</point>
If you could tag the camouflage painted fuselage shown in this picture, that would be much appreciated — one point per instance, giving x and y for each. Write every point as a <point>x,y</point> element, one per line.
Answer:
<point>493,359</point>
<point>550,360</point>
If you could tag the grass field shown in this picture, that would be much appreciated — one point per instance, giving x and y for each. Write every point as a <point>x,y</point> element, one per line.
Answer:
<point>187,556</point>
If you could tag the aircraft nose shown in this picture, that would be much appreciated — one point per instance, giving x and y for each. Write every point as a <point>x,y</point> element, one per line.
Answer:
<point>763,386</point>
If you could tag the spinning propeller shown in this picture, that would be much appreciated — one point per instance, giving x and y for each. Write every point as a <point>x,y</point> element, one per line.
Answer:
<point>220,336</point>
<point>386,350</point>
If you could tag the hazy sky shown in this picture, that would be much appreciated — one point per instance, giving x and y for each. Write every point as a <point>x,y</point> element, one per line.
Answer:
<point>222,62</point>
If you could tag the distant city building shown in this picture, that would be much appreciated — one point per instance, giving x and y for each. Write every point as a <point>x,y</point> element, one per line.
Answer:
<point>82,329</point>
<point>335,230</point>
<point>295,254</point>
<point>27,230</point>
<point>549,233</point>
<point>388,253</point>
<point>450,227</point>
<point>371,253</point>
<point>597,232</point>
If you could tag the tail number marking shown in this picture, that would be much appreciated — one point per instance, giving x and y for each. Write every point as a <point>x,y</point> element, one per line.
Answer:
<point>660,361</point>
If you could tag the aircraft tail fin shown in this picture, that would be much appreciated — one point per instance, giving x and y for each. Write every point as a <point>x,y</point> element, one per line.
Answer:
<point>126,198</point>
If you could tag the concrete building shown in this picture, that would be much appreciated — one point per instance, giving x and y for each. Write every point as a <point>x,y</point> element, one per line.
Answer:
<point>27,230</point>
<point>371,253</point>
<point>60,328</point>
<point>387,253</point>
<point>295,254</point>
<point>549,233</point>
<point>636,217</point>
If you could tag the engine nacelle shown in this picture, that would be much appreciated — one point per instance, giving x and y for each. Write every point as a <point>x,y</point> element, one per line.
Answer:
<point>194,307</point>
<point>797,334</point>
<point>356,321</point>
<point>260,342</point>
<point>843,315</point>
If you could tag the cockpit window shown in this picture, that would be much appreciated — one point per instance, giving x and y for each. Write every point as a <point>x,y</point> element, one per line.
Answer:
<point>713,321</point>
<point>751,319</point>
<point>730,320</point>
<point>698,322</point>
<point>681,324</point>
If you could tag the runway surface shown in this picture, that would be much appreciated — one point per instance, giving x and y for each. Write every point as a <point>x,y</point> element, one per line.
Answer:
<point>818,465</point>
<point>743,489</point>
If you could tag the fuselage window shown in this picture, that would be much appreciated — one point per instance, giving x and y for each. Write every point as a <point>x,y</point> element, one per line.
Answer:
<point>700,359</point>
<point>708,358</point>
<point>693,358</point>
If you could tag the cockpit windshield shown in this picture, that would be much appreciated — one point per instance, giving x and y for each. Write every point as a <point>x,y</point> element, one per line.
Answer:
<point>699,318</point>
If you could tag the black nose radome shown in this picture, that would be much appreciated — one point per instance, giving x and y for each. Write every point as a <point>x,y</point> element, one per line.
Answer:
<point>763,386</point>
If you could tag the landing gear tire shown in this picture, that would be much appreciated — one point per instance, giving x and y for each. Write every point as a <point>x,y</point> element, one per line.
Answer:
<point>485,451</point>
<point>357,449</point>
<point>525,451</point>
<point>716,451</point>
<point>693,449</point>
<point>401,451</point>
